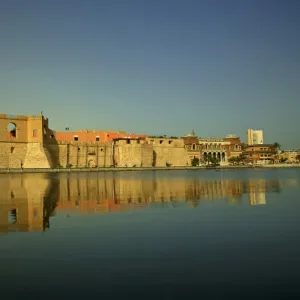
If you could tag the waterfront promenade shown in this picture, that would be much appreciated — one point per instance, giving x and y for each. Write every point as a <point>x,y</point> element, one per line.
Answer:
<point>118,169</point>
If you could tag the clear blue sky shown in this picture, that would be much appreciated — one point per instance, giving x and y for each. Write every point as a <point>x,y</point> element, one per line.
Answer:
<point>154,66</point>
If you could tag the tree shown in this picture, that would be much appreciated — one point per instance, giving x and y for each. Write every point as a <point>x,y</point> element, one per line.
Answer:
<point>205,159</point>
<point>241,158</point>
<point>237,159</point>
<point>195,162</point>
<point>283,160</point>
<point>277,146</point>
<point>232,160</point>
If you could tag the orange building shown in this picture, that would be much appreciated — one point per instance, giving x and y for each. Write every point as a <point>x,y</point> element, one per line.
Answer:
<point>260,153</point>
<point>95,136</point>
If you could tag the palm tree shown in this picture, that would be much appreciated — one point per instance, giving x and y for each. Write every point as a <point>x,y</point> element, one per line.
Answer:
<point>277,146</point>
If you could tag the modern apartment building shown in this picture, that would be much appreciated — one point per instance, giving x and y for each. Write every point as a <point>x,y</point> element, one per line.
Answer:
<point>255,137</point>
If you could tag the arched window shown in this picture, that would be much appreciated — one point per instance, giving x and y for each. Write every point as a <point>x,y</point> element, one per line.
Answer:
<point>12,130</point>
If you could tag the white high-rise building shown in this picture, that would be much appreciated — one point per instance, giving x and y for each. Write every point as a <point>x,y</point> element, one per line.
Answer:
<point>255,137</point>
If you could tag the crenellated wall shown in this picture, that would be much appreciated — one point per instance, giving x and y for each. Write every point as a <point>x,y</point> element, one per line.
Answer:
<point>31,144</point>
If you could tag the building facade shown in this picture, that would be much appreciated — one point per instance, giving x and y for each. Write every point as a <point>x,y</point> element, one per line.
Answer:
<point>23,141</point>
<point>220,149</point>
<point>260,154</point>
<point>290,156</point>
<point>255,137</point>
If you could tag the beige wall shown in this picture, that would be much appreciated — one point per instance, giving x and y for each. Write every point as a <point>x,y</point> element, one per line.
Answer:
<point>21,123</point>
<point>12,154</point>
<point>170,151</point>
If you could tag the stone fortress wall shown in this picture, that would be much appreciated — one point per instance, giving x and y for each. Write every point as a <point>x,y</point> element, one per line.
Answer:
<point>28,142</point>
<point>23,142</point>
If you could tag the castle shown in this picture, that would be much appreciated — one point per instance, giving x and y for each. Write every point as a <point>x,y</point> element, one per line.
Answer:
<point>28,142</point>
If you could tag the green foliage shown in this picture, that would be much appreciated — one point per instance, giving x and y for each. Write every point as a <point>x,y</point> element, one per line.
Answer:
<point>195,162</point>
<point>283,160</point>
<point>237,160</point>
<point>277,146</point>
<point>168,164</point>
<point>69,166</point>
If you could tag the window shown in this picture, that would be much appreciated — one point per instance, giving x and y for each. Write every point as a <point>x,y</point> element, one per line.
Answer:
<point>12,130</point>
<point>75,138</point>
<point>51,136</point>
<point>12,149</point>
<point>97,138</point>
<point>12,216</point>
<point>34,133</point>
<point>170,142</point>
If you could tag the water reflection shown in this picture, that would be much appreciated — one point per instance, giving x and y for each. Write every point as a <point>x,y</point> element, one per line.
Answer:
<point>28,201</point>
<point>89,195</point>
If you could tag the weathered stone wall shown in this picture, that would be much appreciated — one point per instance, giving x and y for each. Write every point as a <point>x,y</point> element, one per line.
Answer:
<point>133,153</point>
<point>147,155</point>
<point>58,154</point>
<point>127,155</point>
<point>12,154</point>
<point>36,157</point>
<point>167,151</point>
<point>81,155</point>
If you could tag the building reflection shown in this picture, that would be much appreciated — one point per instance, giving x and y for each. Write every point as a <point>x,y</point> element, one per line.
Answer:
<point>28,201</point>
<point>89,194</point>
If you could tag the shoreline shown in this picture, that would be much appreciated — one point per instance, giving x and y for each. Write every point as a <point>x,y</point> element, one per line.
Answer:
<point>129,169</point>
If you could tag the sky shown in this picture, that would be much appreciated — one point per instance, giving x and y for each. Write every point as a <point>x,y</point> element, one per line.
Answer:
<point>158,67</point>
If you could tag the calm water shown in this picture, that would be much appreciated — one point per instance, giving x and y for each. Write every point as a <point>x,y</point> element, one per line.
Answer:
<point>165,235</point>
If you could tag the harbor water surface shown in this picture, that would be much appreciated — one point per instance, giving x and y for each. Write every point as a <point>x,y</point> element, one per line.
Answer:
<point>228,234</point>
